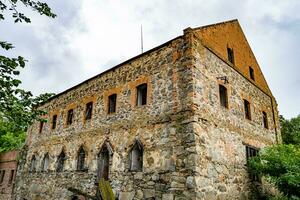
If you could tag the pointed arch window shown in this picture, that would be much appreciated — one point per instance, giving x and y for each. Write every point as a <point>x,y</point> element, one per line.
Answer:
<point>32,164</point>
<point>103,161</point>
<point>61,161</point>
<point>136,157</point>
<point>45,163</point>
<point>81,159</point>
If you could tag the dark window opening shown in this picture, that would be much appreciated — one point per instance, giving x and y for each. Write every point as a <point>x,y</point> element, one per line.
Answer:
<point>61,161</point>
<point>136,157</point>
<point>250,153</point>
<point>112,103</point>
<point>141,95</point>
<point>251,72</point>
<point>41,127</point>
<point>2,175</point>
<point>81,159</point>
<point>11,178</point>
<point>32,164</point>
<point>103,163</point>
<point>54,120</point>
<point>70,117</point>
<point>88,111</point>
<point>45,163</point>
<point>223,96</point>
<point>265,120</point>
<point>230,55</point>
<point>247,109</point>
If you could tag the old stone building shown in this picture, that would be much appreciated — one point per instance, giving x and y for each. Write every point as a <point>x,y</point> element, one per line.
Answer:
<point>174,123</point>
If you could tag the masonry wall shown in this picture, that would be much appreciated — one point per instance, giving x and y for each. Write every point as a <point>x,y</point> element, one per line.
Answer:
<point>162,126</point>
<point>8,166</point>
<point>222,133</point>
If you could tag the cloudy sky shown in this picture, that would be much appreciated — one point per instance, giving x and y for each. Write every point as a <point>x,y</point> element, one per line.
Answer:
<point>89,36</point>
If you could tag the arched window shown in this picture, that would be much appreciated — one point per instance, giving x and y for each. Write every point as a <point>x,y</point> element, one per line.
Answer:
<point>45,163</point>
<point>103,160</point>
<point>61,161</point>
<point>32,164</point>
<point>136,157</point>
<point>81,159</point>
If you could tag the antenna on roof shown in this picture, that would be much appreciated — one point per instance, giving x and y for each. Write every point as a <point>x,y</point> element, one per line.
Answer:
<point>142,39</point>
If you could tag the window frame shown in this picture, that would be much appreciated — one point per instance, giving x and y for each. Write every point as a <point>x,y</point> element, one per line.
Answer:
<point>89,106</point>
<point>230,55</point>
<point>81,158</point>
<point>251,73</point>
<point>137,147</point>
<point>112,103</point>
<point>221,96</point>
<point>54,122</point>
<point>141,94</point>
<point>265,120</point>
<point>247,110</point>
<point>70,115</point>
<point>2,176</point>
<point>61,161</point>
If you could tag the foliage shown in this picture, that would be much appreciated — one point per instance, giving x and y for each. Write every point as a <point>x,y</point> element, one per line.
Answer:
<point>280,165</point>
<point>17,106</point>
<point>290,130</point>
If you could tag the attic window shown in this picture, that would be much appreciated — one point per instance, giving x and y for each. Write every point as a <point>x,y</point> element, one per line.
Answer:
<point>54,120</point>
<point>88,111</point>
<point>70,117</point>
<point>141,94</point>
<point>247,109</point>
<point>223,96</point>
<point>251,73</point>
<point>230,55</point>
<point>112,102</point>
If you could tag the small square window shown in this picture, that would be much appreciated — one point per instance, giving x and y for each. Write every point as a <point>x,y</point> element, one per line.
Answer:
<point>223,96</point>
<point>54,120</point>
<point>230,55</point>
<point>141,95</point>
<point>112,103</point>
<point>88,111</point>
<point>265,119</point>
<point>247,109</point>
<point>70,116</point>
<point>251,73</point>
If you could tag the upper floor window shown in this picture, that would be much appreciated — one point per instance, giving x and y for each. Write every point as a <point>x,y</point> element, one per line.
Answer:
<point>41,127</point>
<point>45,163</point>
<point>136,157</point>
<point>251,73</point>
<point>61,161</point>
<point>12,175</point>
<point>70,116</point>
<point>247,109</point>
<point>2,175</point>
<point>141,95</point>
<point>230,55</point>
<point>223,96</point>
<point>54,121</point>
<point>265,120</point>
<point>89,110</point>
<point>112,103</point>
<point>32,164</point>
<point>81,159</point>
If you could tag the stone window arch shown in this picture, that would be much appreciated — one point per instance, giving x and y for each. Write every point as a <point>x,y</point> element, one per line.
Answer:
<point>104,158</point>
<point>61,161</point>
<point>136,156</point>
<point>81,159</point>
<point>32,164</point>
<point>45,163</point>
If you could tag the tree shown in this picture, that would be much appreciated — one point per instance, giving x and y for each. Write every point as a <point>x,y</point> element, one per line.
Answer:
<point>290,130</point>
<point>17,106</point>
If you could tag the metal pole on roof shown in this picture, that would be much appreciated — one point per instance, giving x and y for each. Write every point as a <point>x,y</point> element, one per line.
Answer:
<point>142,39</point>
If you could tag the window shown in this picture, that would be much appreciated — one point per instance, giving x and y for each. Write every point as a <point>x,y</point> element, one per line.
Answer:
<point>265,120</point>
<point>251,73</point>
<point>136,157</point>
<point>230,55</point>
<point>2,175</point>
<point>61,161</point>
<point>247,109</point>
<point>70,117</point>
<point>45,163</point>
<point>54,120</point>
<point>141,95</point>
<point>11,178</point>
<point>41,127</point>
<point>251,152</point>
<point>32,164</point>
<point>112,102</point>
<point>223,96</point>
<point>103,161</point>
<point>81,159</point>
<point>88,111</point>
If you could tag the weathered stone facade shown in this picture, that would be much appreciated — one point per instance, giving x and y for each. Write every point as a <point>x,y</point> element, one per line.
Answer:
<point>193,148</point>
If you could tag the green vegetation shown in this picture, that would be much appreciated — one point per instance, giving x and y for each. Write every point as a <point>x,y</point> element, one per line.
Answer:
<point>280,164</point>
<point>17,106</point>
